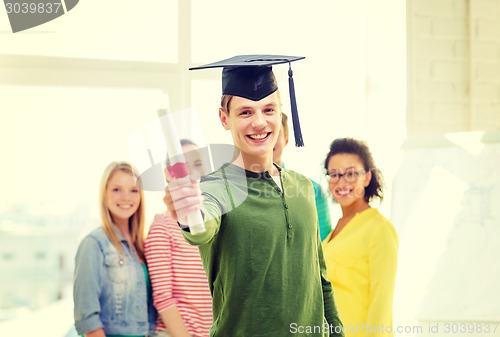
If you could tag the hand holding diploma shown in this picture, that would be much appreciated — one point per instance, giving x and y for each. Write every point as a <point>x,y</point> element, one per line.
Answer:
<point>182,195</point>
<point>182,201</point>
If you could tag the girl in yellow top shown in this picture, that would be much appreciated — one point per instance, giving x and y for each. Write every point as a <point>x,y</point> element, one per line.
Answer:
<point>361,252</point>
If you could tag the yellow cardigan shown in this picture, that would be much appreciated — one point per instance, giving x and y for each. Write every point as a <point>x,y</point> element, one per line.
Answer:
<point>361,264</point>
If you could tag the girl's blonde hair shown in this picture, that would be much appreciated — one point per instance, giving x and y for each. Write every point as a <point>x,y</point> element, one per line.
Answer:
<point>136,221</point>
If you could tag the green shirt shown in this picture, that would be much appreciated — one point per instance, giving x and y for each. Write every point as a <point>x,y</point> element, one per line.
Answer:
<point>262,255</point>
<point>325,222</point>
<point>324,219</point>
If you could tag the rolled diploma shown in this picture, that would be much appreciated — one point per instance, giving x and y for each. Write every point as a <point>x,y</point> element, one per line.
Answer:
<point>178,167</point>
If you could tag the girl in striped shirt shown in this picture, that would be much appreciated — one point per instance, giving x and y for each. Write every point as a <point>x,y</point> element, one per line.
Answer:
<point>180,287</point>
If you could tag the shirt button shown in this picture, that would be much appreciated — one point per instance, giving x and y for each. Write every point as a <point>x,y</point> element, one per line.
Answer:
<point>278,189</point>
<point>286,206</point>
<point>121,262</point>
<point>289,225</point>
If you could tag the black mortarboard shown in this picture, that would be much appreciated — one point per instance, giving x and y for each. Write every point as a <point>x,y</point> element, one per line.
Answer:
<point>251,77</point>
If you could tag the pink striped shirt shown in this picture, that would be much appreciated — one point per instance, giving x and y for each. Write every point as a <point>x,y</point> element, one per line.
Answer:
<point>177,276</point>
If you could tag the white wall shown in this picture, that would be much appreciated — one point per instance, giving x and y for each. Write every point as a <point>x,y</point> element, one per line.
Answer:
<point>454,66</point>
<point>453,98</point>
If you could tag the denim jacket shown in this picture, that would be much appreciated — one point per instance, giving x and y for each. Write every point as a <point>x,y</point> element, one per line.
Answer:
<point>110,289</point>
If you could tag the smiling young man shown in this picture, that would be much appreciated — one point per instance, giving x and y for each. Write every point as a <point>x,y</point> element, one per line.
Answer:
<point>261,249</point>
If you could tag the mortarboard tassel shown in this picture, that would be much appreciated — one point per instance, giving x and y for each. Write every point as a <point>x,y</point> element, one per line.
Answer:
<point>295,113</point>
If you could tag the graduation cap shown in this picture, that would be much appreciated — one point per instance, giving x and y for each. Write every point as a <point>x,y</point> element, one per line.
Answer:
<point>251,77</point>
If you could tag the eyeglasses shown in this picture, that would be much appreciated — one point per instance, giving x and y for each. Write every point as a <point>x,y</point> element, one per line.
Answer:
<point>350,176</point>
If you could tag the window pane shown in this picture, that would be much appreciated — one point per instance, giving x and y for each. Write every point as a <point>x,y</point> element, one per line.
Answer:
<point>111,29</point>
<point>58,140</point>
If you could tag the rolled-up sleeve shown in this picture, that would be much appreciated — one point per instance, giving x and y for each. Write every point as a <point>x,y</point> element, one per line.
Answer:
<point>212,216</point>
<point>87,286</point>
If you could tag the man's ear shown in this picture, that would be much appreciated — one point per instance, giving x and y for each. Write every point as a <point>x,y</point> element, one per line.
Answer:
<point>223,118</point>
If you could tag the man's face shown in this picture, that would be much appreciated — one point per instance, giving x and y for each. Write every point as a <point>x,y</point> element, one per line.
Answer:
<point>254,125</point>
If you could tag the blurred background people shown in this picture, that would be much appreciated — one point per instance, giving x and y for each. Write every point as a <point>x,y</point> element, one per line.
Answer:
<point>361,252</point>
<point>112,290</point>
<point>180,286</point>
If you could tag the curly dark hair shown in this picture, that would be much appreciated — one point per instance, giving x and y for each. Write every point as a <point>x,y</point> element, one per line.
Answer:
<point>359,148</point>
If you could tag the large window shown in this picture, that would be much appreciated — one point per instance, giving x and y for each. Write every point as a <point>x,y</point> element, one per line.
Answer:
<point>112,30</point>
